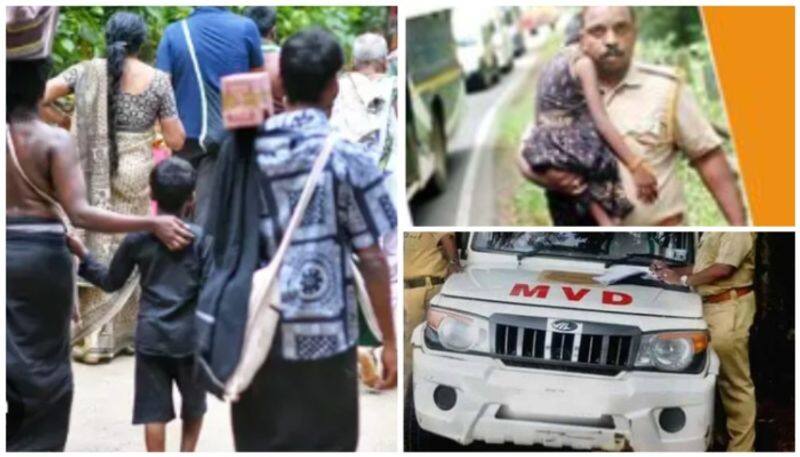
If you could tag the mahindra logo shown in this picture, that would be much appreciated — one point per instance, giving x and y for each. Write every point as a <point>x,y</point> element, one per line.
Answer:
<point>564,326</point>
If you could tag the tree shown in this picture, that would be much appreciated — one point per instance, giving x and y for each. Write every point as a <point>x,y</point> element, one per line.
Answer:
<point>81,29</point>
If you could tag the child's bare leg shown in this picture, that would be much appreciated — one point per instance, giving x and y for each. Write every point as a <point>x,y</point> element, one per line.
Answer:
<point>600,215</point>
<point>191,433</point>
<point>155,436</point>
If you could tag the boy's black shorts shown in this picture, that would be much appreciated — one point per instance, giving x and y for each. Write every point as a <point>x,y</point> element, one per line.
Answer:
<point>152,400</point>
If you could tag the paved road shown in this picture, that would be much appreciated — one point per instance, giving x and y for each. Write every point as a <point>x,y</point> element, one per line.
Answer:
<point>470,197</point>
<point>103,404</point>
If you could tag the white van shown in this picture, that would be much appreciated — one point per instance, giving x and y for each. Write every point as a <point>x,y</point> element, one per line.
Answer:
<point>472,30</point>
<point>528,346</point>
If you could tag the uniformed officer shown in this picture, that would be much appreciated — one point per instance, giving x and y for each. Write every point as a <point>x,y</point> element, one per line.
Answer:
<point>429,258</point>
<point>723,276</point>
<point>659,116</point>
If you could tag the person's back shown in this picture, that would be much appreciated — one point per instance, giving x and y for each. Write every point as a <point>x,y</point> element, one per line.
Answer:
<point>170,282</point>
<point>39,385</point>
<point>224,43</point>
<point>556,89</point>
<point>365,108</point>
<point>35,143</point>
<point>38,379</point>
<point>219,43</point>
<point>310,371</point>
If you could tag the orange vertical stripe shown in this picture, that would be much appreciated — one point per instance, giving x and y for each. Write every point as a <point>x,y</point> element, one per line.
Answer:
<point>754,52</point>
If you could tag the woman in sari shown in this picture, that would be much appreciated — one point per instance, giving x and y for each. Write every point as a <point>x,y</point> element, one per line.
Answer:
<point>118,100</point>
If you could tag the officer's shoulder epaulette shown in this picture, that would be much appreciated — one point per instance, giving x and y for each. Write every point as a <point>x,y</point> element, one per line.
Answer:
<point>671,73</point>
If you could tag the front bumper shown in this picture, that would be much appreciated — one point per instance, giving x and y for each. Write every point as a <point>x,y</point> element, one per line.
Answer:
<point>502,404</point>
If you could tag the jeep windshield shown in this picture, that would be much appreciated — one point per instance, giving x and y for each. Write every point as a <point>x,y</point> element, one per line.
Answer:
<point>610,248</point>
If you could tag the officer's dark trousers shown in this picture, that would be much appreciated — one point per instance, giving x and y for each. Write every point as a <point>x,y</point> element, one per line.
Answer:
<point>38,309</point>
<point>299,406</point>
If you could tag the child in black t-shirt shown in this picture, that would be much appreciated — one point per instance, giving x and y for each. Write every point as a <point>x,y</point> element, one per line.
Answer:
<point>170,282</point>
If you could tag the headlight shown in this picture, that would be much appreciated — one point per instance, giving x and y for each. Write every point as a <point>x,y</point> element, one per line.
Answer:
<point>672,351</point>
<point>456,331</point>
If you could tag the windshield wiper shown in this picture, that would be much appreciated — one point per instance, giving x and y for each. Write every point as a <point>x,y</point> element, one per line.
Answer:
<point>537,248</point>
<point>533,252</point>
<point>641,255</point>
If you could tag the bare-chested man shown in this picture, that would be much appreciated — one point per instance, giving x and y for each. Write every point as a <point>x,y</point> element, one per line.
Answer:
<point>39,265</point>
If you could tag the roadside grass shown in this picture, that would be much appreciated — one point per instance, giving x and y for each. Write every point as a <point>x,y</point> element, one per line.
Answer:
<point>522,203</point>
<point>702,209</point>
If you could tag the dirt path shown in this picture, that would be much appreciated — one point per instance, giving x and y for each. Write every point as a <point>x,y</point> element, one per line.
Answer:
<point>103,404</point>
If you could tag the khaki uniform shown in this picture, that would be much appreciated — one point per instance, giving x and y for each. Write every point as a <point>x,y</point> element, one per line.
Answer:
<point>729,324</point>
<point>422,257</point>
<point>658,116</point>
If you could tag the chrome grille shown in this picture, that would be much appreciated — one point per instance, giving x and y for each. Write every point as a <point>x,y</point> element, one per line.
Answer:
<point>591,347</point>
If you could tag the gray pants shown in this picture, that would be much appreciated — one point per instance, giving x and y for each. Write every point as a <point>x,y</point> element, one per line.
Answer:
<point>203,163</point>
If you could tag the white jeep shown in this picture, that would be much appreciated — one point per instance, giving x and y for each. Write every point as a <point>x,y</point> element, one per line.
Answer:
<point>528,346</point>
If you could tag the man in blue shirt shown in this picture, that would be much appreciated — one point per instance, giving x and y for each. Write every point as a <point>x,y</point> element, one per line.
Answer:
<point>211,43</point>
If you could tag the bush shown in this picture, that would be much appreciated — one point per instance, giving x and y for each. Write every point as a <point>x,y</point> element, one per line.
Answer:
<point>81,29</point>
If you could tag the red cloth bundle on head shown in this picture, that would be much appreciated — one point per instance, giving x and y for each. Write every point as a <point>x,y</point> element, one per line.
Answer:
<point>30,31</point>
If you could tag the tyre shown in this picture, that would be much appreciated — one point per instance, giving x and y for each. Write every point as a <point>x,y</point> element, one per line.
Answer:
<point>497,71</point>
<point>438,147</point>
<point>477,81</point>
<point>486,78</point>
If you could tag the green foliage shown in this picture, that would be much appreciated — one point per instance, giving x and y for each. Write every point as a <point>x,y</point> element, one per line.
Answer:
<point>344,22</point>
<point>696,66</point>
<point>682,25</point>
<point>81,29</point>
<point>674,36</point>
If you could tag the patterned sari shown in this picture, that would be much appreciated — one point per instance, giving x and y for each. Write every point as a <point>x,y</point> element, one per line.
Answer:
<point>108,320</point>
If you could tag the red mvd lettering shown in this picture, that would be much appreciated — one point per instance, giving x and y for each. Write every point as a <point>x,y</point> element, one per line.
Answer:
<point>523,289</point>
<point>574,296</point>
<point>541,291</point>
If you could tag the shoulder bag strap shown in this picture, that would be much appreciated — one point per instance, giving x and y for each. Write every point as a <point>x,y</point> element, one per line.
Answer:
<point>12,152</point>
<point>305,196</point>
<point>199,76</point>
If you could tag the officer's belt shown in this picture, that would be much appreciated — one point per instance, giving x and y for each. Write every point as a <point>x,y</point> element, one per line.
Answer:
<point>730,294</point>
<point>422,281</point>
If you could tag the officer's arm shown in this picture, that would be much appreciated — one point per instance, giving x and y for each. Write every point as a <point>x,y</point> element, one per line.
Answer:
<point>696,137</point>
<point>716,272</point>
<point>716,172</point>
<point>448,243</point>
